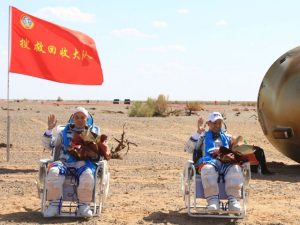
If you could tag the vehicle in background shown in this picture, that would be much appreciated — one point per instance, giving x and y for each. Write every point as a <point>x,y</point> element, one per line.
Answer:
<point>127,101</point>
<point>116,101</point>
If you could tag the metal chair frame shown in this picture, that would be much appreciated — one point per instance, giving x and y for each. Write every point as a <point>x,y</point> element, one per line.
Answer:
<point>195,202</point>
<point>68,203</point>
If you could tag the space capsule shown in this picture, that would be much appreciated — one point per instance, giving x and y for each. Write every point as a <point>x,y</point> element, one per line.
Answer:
<point>278,104</point>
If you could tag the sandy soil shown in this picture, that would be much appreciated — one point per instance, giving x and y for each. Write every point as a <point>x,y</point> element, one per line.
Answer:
<point>145,186</point>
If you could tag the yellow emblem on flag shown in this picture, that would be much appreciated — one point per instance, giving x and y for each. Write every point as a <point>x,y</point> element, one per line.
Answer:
<point>26,22</point>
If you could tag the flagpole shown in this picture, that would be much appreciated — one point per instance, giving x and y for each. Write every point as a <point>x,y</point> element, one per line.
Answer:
<point>8,114</point>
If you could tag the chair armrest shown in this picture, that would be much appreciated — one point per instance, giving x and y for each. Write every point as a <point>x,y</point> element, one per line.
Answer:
<point>45,161</point>
<point>101,165</point>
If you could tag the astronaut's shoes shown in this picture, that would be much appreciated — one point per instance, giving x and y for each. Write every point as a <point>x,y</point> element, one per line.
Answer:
<point>84,210</point>
<point>52,210</point>
<point>234,205</point>
<point>213,204</point>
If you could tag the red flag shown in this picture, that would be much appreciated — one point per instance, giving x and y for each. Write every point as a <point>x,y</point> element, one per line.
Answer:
<point>48,51</point>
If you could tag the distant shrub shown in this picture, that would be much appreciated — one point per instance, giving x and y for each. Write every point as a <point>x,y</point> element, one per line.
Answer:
<point>59,99</point>
<point>134,109</point>
<point>150,108</point>
<point>161,105</point>
<point>192,107</point>
<point>176,112</point>
<point>248,104</point>
<point>140,109</point>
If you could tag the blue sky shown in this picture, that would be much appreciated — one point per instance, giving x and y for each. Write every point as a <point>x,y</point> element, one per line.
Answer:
<point>185,49</point>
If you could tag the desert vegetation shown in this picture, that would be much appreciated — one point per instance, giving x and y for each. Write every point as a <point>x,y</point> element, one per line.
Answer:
<point>192,107</point>
<point>152,107</point>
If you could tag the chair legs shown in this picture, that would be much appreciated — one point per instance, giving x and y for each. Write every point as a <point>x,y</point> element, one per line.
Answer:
<point>68,207</point>
<point>195,201</point>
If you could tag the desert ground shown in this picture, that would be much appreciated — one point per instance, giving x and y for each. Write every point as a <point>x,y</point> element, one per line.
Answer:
<point>145,185</point>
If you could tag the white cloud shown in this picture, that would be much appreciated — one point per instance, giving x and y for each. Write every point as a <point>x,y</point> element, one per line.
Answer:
<point>222,23</point>
<point>160,24</point>
<point>163,49</point>
<point>131,32</point>
<point>183,11</point>
<point>178,48</point>
<point>66,14</point>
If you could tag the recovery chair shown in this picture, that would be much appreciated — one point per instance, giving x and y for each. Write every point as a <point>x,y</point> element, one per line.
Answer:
<point>193,194</point>
<point>68,204</point>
